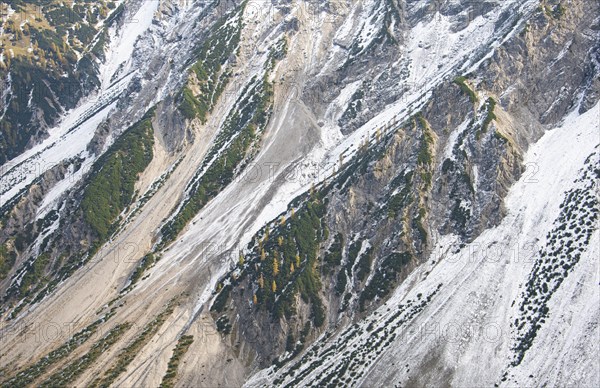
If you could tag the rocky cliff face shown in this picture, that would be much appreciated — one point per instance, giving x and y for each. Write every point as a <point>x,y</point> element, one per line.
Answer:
<point>358,193</point>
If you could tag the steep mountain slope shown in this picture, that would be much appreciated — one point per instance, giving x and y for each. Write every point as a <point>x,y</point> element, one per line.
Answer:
<point>50,51</point>
<point>289,193</point>
<point>458,308</point>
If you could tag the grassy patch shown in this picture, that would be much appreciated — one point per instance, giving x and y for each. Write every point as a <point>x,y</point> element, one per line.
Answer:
<point>402,198</point>
<point>555,12</point>
<point>146,262</point>
<point>127,355</point>
<point>210,78</point>
<point>385,277</point>
<point>466,89</point>
<point>7,260</point>
<point>27,376</point>
<point>425,155</point>
<point>501,137</point>
<point>34,273</point>
<point>69,373</point>
<point>490,116</point>
<point>180,350</point>
<point>333,256</point>
<point>111,186</point>
<point>286,257</point>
